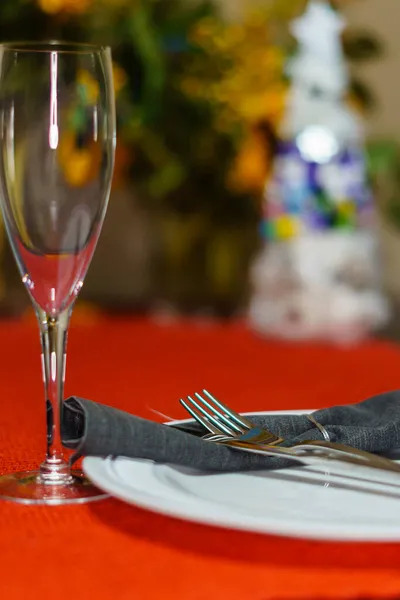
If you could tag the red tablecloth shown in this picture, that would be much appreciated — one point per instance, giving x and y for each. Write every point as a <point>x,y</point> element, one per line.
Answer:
<point>111,550</point>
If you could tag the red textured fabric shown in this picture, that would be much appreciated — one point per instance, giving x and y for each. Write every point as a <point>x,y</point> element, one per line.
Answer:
<point>111,550</point>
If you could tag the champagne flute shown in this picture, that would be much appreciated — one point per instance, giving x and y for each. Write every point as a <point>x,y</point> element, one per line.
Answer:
<point>57,135</point>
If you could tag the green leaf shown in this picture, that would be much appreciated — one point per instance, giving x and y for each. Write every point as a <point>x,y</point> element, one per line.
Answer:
<point>145,38</point>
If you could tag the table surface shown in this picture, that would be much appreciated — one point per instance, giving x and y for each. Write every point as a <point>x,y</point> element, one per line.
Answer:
<point>109,549</point>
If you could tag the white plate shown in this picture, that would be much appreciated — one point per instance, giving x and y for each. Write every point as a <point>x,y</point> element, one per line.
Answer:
<point>296,502</point>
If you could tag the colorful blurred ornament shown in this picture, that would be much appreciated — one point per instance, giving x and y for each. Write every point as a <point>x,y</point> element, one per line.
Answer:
<point>318,207</point>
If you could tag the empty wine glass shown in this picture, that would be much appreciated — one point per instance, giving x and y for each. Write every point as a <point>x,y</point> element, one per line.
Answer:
<point>57,135</point>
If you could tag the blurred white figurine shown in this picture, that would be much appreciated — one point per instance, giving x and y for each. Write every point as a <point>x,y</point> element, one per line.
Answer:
<point>318,277</point>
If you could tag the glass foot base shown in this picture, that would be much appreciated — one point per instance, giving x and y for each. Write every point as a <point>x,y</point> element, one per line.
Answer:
<point>26,488</point>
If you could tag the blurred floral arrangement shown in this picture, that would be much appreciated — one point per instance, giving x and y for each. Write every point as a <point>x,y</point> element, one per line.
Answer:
<point>198,100</point>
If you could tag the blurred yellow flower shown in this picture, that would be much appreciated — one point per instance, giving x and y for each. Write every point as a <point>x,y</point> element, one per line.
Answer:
<point>268,104</point>
<point>53,7</point>
<point>80,165</point>
<point>249,85</point>
<point>90,86</point>
<point>246,87</point>
<point>252,165</point>
<point>120,78</point>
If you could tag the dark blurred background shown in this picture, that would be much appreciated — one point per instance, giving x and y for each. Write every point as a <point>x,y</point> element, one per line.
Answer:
<point>200,91</point>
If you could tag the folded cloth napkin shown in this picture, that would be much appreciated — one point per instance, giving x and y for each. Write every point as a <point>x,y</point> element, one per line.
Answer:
<point>93,429</point>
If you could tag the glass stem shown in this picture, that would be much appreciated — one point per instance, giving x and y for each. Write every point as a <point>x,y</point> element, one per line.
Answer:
<point>54,329</point>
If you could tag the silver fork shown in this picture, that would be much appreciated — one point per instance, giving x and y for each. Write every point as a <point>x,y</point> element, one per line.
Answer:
<point>223,422</point>
<point>232,429</point>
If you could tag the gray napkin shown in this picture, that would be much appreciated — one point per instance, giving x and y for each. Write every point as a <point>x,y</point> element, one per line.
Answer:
<point>93,429</point>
